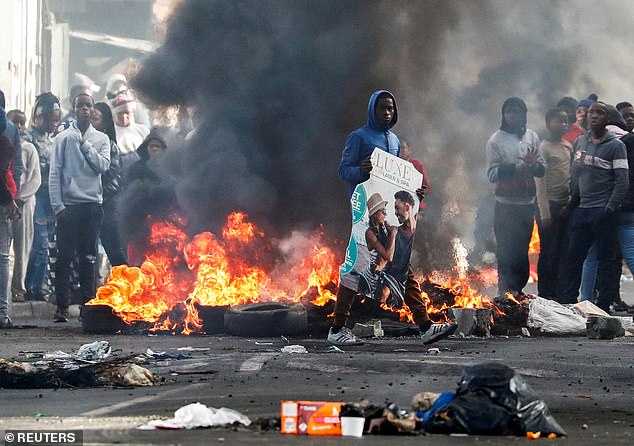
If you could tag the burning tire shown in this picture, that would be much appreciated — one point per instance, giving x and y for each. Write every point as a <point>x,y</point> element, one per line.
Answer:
<point>100,319</point>
<point>213,318</point>
<point>266,319</point>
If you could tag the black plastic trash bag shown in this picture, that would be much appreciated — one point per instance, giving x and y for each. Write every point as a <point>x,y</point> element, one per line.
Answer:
<point>493,400</point>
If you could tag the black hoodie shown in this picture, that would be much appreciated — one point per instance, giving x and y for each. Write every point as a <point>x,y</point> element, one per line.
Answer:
<point>140,169</point>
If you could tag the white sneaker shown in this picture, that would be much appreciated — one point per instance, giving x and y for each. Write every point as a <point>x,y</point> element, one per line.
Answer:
<point>437,332</point>
<point>343,337</point>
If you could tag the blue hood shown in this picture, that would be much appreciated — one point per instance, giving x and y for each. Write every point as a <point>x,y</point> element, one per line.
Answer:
<point>363,141</point>
<point>371,116</point>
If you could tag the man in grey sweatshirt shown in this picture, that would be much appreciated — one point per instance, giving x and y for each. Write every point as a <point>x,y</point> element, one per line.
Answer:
<point>599,184</point>
<point>514,160</point>
<point>81,154</point>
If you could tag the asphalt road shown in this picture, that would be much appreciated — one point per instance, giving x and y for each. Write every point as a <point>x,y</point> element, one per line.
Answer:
<point>587,384</point>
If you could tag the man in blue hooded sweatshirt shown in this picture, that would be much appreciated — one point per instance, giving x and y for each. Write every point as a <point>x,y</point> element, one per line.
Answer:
<point>355,168</point>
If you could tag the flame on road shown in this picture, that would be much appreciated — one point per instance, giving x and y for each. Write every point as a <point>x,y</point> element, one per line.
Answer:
<point>183,272</point>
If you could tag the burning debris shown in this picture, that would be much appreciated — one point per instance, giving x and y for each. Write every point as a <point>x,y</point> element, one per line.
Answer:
<point>181,275</point>
<point>245,284</point>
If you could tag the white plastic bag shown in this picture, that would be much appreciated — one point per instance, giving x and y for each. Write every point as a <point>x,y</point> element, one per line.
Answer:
<point>94,351</point>
<point>294,349</point>
<point>553,318</point>
<point>198,415</point>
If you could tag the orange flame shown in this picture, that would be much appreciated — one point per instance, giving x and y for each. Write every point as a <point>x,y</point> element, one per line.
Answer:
<point>534,246</point>
<point>179,272</point>
<point>405,314</point>
<point>533,253</point>
<point>237,228</point>
<point>465,296</point>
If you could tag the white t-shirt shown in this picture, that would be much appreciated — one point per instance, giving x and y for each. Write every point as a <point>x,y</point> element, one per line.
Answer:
<point>130,137</point>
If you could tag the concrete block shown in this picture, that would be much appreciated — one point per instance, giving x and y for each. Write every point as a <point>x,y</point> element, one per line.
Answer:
<point>604,327</point>
<point>368,330</point>
<point>471,321</point>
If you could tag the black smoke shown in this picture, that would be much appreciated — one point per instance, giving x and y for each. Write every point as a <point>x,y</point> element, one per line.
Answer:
<point>278,85</point>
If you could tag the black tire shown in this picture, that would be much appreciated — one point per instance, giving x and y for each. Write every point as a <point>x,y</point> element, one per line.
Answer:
<point>266,319</point>
<point>100,319</point>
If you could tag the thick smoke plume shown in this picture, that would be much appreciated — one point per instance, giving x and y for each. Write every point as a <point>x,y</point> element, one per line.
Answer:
<point>277,86</point>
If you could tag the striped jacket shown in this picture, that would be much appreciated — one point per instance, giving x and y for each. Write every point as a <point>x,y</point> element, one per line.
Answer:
<point>599,172</point>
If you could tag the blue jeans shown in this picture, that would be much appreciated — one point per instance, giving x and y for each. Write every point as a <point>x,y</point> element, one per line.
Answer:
<point>589,274</point>
<point>43,234</point>
<point>5,243</point>
<point>625,231</point>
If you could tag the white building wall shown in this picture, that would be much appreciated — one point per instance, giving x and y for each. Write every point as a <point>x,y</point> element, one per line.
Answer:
<point>20,62</point>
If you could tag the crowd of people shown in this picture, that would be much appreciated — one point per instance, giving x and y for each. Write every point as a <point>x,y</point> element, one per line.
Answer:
<point>61,172</point>
<point>577,186</point>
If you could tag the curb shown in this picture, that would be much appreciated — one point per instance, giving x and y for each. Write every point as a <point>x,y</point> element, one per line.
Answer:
<point>38,310</point>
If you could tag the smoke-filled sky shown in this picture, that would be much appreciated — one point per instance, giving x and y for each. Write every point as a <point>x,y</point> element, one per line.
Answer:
<point>279,84</point>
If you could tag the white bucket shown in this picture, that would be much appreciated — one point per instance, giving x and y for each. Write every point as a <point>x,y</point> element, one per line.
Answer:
<point>352,426</point>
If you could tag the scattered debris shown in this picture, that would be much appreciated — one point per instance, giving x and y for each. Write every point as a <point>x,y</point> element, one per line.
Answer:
<point>335,349</point>
<point>198,415</point>
<point>193,372</point>
<point>165,355</point>
<point>31,354</point>
<point>90,366</point>
<point>433,351</point>
<point>74,372</point>
<point>58,354</point>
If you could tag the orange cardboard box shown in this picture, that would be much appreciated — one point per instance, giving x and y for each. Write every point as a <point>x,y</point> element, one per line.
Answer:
<point>311,417</point>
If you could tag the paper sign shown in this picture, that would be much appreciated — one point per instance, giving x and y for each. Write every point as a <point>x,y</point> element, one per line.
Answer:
<point>385,205</point>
